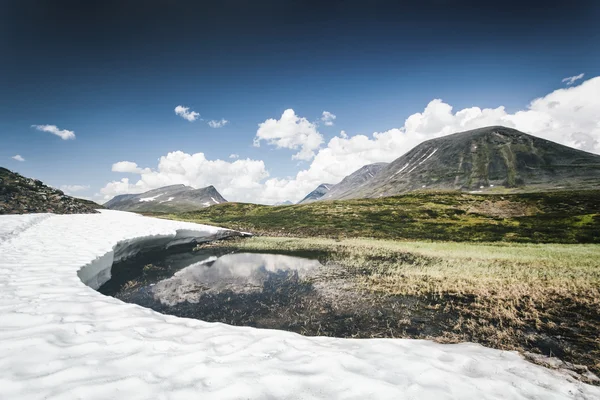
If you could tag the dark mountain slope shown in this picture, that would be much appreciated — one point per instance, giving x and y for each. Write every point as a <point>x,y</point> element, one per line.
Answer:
<point>352,182</point>
<point>21,195</point>
<point>316,194</point>
<point>491,159</point>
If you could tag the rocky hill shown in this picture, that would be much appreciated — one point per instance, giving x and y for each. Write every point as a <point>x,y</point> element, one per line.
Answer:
<point>352,182</point>
<point>174,198</point>
<point>21,195</point>
<point>494,159</point>
<point>316,194</point>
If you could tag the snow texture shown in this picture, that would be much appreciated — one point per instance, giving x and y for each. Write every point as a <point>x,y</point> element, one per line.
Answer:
<point>146,199</point>
<point>61,339</point>
<point>11,225</point>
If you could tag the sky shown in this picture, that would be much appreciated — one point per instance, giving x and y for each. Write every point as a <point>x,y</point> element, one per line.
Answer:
<point>265,100</point>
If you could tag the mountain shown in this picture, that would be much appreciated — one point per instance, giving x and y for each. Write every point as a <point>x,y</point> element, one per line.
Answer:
<point>316,194</point>
<point>491,159</point>
<point>353,181</point>
<point>284,203</point>
<point>172,198</point>
<point>21,195</point>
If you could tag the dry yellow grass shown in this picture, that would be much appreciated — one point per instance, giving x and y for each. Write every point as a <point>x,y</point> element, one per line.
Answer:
<point>509,296</point>
<point>450,268</point>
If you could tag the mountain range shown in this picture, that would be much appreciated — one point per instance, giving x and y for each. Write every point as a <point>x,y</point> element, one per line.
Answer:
<point>167,199</point>
<point>486,160</point>
<point>494,159</point>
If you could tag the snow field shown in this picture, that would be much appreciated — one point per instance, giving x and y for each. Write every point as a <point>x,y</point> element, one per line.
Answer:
<point>61,339</point>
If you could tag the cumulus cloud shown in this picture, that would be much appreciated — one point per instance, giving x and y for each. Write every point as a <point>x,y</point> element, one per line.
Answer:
<point>126,167</point>
<point>18,158</point>
<point>290,132</point>
<point>239,180</point>
<point>568,116</point>
<point>53,129</point>
<point>70,189</point>
<point>234,156</point>
<point>328,118</point>
<point>571,79</point>
<point>185,113</point>
<point>217,124</point>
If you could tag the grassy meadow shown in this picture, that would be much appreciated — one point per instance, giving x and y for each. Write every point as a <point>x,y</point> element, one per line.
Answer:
<point>537,298</point>
<point>553,217</point>
<point>516,272</point>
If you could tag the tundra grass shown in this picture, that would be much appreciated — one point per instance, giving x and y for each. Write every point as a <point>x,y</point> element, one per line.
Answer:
<point>552,217</point>
<point>528,297</point>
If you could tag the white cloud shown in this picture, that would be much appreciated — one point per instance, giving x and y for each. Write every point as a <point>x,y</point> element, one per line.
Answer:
<point>571,79</point>
<point>234,156</point>
<point>328,118</point>
<point>126,167</point>
<point>290,132</point>
<point>185,113</point>
<point>568,116</point>
<point>62,133</point>
<point>239,180</point>
<point>18,158</point>
<point>70,189</point>
<point>217,124</point>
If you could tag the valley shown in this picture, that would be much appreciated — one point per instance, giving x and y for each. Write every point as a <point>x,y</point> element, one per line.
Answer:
<point>545,217</point>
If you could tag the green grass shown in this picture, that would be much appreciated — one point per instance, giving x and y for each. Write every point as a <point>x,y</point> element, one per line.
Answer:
<point>552,217</point>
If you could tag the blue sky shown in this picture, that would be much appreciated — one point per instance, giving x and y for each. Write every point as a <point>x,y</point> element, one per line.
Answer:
<point>113,72</point>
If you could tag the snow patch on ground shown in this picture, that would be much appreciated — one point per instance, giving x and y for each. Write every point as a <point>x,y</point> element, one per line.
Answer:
<point>11,225</point>
<point>401,169</point>
<point>169,199</point>
<point>432,153</point>
<point>61,339</point>
<point>142,199</point>
<point>213,199</point>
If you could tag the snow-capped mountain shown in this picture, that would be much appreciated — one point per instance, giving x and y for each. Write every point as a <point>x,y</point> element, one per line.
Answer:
<point>172,198</point>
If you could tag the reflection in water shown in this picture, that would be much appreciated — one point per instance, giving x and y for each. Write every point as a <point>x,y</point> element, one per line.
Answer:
<point>267,291</point>
<point>238,273</point>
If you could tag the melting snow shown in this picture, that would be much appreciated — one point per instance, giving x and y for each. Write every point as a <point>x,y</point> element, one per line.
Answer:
<point>62,339</point>
<point>427,158</point>
<point>402,169</point>
<point>413,168</point>
<point>213,199</point>
<point>150,198</point>
<point>169,199</point>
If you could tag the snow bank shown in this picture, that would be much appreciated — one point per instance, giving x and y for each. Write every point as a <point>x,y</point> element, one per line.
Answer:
<point>11,225</point>
<point>60,339</point>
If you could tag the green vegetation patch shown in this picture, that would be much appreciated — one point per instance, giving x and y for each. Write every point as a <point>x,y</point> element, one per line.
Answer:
<point>551,217</point>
